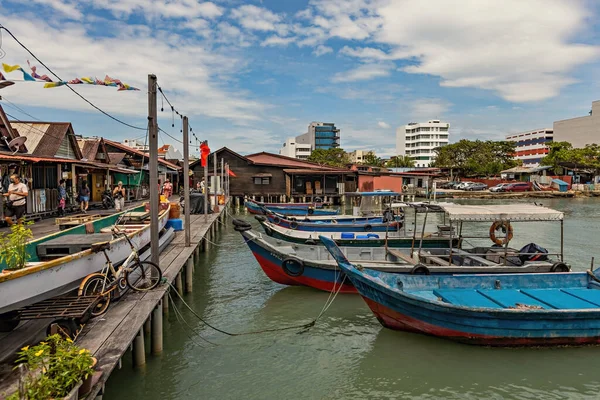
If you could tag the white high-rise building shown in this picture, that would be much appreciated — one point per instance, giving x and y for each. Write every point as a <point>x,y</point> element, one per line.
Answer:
<point>296,150</point>
<point>418,140</point>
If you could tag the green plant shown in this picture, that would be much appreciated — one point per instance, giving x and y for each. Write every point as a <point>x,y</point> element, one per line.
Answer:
<point>54,368</point>
<point>13,246</point>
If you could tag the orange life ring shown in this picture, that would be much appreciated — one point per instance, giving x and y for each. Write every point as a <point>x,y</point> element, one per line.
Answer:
<point>507,227</point>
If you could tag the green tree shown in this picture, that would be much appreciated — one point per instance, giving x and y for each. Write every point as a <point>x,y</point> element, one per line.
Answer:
<point>400,162</point>
<point>561,153</point>
<point>476,157</point>
<point>371,159</point>
<point>335,157</point>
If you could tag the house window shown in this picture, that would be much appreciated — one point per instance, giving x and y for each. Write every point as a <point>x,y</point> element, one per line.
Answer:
<point>262,181</point>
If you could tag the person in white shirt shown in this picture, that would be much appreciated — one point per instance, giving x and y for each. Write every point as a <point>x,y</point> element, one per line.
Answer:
<point>16,204</point>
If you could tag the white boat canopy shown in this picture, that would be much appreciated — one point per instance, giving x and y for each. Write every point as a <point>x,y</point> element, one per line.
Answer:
<point>500,212</point>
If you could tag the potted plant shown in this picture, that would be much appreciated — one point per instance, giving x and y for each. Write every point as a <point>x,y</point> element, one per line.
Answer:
<point>55,369</point>
<point>13,247</point>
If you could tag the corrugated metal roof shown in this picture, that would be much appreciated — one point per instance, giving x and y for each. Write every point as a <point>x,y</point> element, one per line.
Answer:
<point>283,161</point>
<point>89,147</point>
<point>116,158</point>
<point>45,138</point>
<point>128,149</point>
<point>317,171</point>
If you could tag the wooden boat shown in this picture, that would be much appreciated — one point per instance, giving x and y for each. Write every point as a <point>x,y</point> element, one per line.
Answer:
<point>44,279</point>
<point>394,239</point>
<point>341,224</point>
<point>313,266</point>
<point>491,309</point>
<point>293,210</point>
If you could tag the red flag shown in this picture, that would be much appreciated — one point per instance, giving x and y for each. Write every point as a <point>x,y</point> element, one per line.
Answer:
<point>230,172</point>
<point>205,151</point>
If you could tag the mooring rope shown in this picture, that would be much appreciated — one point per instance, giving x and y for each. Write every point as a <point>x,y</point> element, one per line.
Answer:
<point>178,315</point>
<point>303,327</point>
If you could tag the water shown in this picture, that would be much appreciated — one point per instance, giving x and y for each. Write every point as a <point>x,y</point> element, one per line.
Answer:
<point>348,355</point>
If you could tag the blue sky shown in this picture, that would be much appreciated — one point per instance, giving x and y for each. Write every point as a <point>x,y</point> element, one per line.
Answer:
<point>251,73</point>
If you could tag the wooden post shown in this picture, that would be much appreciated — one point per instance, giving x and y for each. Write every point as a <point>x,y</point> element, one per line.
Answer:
<point>206,192</point>
<point>189,270</point>
<point>165,304</point>
<point>139,351</point>
<point>153,168</point>
<point>157,329</point>
<point>186,181</point>
<point>147,326</point>
<point>197,252</point>
<point>179,283</point>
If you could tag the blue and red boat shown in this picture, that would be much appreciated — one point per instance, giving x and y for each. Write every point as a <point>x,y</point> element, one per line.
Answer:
<point>492,309</point>
<point>291,209</point>
<point>391,223</point>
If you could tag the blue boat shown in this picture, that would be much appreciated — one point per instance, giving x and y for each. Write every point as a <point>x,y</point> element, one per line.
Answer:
<point>492,310</point>
<point>340,224</point>
<point>291,210</point>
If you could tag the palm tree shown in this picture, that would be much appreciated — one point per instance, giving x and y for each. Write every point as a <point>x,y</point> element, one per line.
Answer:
<point>400,162</point>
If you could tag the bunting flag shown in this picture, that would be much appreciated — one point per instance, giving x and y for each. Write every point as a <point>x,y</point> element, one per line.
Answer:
<point>204,152</point>
<point>230,172</point>
<point>35,77</point>
<point>11,68</point>
<point>35,74</point>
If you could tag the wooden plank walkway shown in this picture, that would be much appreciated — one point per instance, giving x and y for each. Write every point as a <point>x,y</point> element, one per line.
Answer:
<point>109,336</point>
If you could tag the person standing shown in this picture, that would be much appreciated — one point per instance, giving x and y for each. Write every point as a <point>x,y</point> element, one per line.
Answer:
<point>202,185</point>
<point>167,189</point>
<point>84,196</point>
<point>119,196</point>
<point>62,197</point>
<point>16,195</point>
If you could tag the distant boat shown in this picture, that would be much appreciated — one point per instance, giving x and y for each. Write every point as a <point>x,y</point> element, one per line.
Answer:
<point>287,210</point>
<point>492,310</point>
<point>360,238</point>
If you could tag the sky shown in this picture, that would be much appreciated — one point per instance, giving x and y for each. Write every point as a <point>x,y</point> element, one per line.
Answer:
<point>249,74</point>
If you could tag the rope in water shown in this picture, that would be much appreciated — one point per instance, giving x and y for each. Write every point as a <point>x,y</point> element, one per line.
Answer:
<point>179,315</point>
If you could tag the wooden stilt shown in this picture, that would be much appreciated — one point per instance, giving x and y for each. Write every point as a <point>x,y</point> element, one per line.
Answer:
<point>189,270</point>
<point>179,283</point>
<point>165,304</point>
<point>157,330</point>
<point>147,326</point>
<point>139,351</point>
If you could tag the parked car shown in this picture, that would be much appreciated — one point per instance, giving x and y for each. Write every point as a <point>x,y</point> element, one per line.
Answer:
<point>518,187</point>
<point>476,186</point>
<point>462,185</point>
<point>447,185</point>
<point>499,187</point>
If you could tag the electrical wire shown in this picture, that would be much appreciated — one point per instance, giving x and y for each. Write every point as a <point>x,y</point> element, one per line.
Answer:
<point>67,85</point>
<point>16,107</point>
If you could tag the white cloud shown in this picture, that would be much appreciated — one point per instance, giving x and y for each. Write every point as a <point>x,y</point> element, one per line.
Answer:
<point>322,50</point>
<point>66,8</point>
<point>383,125</point>
<point>257,18</point>
<point>152,9</point>
<point>425,109</point>
<point>194,80</point>
<point>368,53</point>
<point>277,41</point>
<point>363,73</point>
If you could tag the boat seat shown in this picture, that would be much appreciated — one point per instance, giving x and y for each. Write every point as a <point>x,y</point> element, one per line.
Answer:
<point>509,298</point>
<point>98,247</point>
<point>589,295</point>
<point>559,299</point>
<point>465,297</point>
<point>426,294</point>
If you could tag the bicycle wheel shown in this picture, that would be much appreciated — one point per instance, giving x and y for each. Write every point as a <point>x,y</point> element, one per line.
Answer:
<point>143,275</point>
<point>92,286</point>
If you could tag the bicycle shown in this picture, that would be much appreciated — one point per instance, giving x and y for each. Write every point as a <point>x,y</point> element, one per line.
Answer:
<point>138,275</point>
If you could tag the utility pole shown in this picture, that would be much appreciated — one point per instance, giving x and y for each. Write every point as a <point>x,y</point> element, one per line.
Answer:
<point>222,185</point>
<point>215,161</point>
<point>206,189</point>
<point>186,181</point>
<point>153,167</point>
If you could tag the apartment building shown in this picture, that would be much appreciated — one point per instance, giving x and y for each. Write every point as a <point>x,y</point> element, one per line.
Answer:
<point>532,146</point>
<point>418,140</point>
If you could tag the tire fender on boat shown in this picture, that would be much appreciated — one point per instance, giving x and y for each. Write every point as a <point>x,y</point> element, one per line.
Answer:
<point>268,231</point>
<point>260,218</point>
<point>293,225</point>
<point>311,211</point>
<point>368,228</point>
<point>560,267</point>
<point>276,220</point>
<point>310,241</point>
<point>420,269</point>
<point>295,263</point>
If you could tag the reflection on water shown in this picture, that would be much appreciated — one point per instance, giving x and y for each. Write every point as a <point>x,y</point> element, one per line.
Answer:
<point>348,355</point>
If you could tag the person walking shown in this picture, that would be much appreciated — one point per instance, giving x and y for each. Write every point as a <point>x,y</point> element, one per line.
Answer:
<point>119,197</point>
<point>84,196</point>
<point>16,204</point>
<point>167,189</point>
<point>62,197</point>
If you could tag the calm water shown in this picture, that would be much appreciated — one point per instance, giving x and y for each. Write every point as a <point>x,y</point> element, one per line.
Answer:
<point>348,355</point>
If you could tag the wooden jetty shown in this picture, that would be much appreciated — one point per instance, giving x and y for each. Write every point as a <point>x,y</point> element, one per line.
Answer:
<point>109,336</point>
